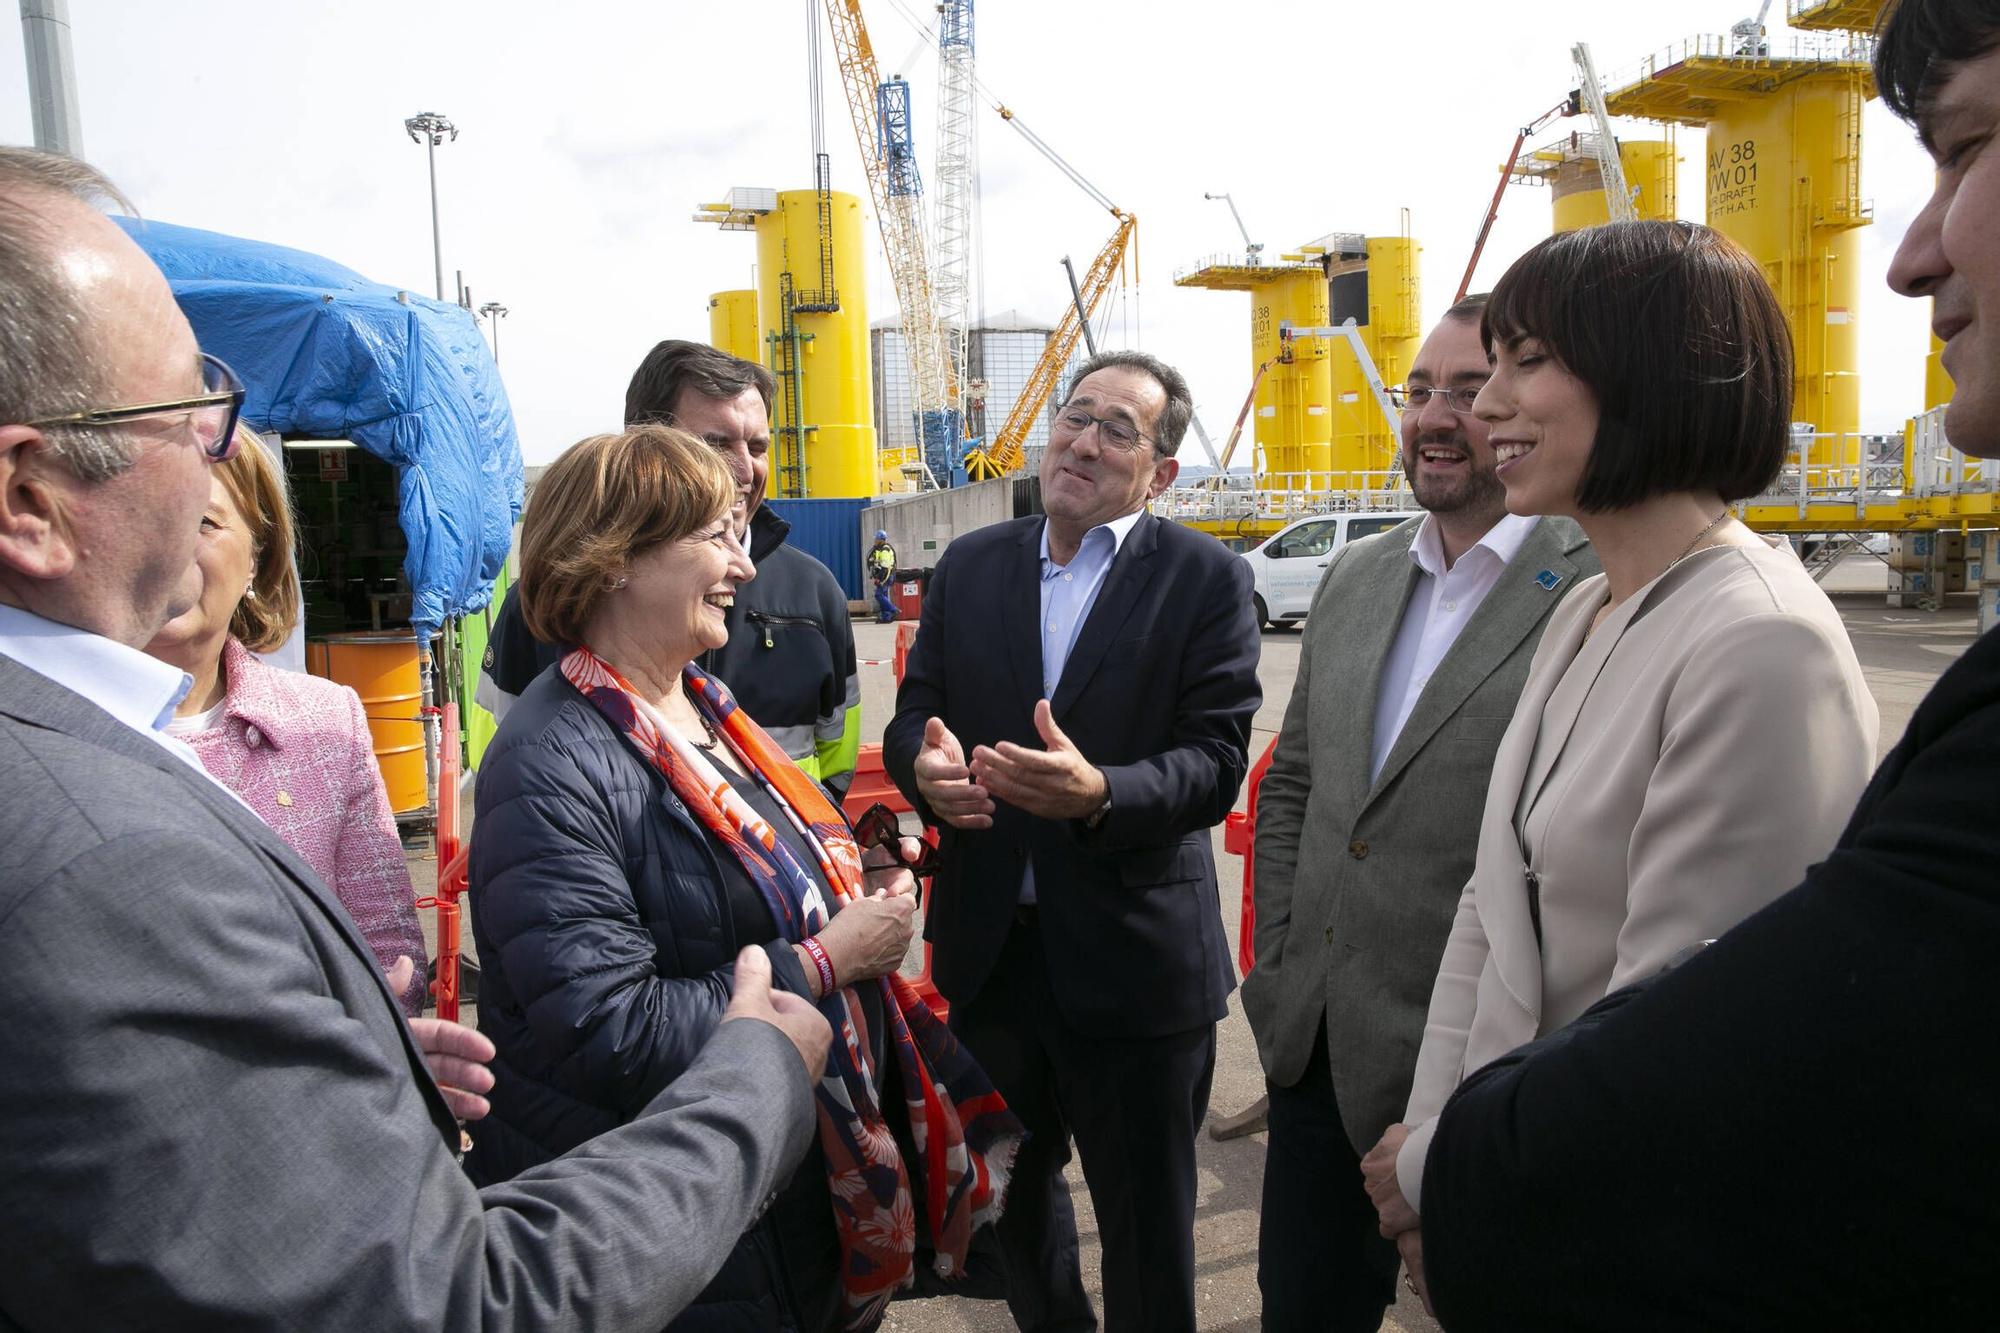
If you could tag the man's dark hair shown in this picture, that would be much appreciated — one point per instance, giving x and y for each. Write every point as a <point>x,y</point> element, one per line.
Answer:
<point>1680,339</point>
<point>1919,44</point>
<point>677,365</point>
<point>1174,417</point>
<point>1469,307</point>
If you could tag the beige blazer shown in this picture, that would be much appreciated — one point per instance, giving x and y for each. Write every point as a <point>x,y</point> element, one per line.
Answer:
<point>1662,779</point>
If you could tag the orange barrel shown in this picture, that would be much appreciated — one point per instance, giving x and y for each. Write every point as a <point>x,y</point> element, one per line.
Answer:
<point>382,667</point>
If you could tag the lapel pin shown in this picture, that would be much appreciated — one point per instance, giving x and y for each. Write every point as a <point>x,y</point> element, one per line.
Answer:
<point>1548,578</point>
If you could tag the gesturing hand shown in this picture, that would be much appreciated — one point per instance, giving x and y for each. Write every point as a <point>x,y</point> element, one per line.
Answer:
<point>945,783</point>
<point>1378,1175</point>
<point>790,1014</point>
<point>1056,783</point>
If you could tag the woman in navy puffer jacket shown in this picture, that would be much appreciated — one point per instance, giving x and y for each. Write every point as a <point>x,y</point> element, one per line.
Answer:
<point>606,914</point>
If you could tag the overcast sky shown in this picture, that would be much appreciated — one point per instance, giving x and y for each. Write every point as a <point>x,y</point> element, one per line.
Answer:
<point>590,131</point>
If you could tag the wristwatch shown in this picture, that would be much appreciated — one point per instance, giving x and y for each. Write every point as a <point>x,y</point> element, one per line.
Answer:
<point>1095,819</point>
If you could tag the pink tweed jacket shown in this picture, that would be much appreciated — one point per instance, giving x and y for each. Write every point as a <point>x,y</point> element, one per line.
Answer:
<point>296,749</point>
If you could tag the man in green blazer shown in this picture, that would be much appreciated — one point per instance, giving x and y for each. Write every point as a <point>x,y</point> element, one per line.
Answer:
<point>1417,646</point>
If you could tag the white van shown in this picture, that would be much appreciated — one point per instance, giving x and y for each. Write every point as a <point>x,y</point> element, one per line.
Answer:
<point>1288,567</point>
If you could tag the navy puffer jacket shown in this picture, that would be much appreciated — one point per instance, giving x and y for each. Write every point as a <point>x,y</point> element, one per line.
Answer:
<point>606,953</point>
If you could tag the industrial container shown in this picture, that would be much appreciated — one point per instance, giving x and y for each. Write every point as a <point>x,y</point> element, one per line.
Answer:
<point>830,532</point>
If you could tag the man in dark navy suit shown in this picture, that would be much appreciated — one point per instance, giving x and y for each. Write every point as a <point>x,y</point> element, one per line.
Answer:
<point>1075,716</point>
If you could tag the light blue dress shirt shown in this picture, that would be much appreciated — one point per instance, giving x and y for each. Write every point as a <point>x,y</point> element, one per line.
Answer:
<point>139,691</point>
<point>1068,593</point>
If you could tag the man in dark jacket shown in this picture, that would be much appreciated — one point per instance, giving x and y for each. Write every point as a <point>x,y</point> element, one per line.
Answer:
<point>1075,716</point>
<point>1794,1129</point>
<point>790,656</point>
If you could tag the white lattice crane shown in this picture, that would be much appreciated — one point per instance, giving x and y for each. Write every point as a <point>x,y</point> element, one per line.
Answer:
<point>880,110</point>
<point>955,200</point>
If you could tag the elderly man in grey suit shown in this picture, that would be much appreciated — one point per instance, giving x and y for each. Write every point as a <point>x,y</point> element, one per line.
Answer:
<point>1418,643</point>
<point>212,1114</point>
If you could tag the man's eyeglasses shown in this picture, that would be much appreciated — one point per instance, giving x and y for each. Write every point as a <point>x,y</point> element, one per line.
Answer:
<point>1074,421</point>
<point>1418,396</point>
<point>211,414</point>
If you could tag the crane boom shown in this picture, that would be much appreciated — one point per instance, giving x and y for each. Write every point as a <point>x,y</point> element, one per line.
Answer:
<point>1566,107</point>
<point>894,189</point>
<point>1004,454</point>
<point>1610,167</point>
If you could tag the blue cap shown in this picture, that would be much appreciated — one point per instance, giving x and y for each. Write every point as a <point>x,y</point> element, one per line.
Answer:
<point>881,536</point>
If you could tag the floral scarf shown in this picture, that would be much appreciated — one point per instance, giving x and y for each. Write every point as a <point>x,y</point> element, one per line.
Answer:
<point>964,1135</point>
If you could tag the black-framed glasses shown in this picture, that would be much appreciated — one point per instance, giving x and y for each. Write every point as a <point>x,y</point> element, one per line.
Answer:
<point>1418,397</point>
<point>1074,421</point>
<point>211,414</point>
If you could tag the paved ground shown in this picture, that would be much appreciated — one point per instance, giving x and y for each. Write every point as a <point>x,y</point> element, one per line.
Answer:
<point>1902,653</point>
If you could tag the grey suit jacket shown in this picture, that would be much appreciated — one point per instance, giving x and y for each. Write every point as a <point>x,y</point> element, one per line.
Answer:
<point>1356,883</point>
<point>212,1114</point>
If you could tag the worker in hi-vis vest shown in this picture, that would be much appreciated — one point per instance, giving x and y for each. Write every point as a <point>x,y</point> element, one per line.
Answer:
<point>882,569</point>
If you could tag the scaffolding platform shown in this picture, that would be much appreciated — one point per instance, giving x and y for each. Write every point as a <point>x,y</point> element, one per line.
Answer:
<point>1833,15</point>
<point>1692,82</point>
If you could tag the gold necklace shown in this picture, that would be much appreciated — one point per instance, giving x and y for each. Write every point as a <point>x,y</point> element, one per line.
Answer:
<point>1713,524</point>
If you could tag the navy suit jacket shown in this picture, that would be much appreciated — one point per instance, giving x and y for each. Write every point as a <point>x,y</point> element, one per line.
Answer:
<point>1158,693</point>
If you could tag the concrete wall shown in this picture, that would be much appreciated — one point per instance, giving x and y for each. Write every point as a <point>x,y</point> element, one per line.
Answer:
<point>921,526</point>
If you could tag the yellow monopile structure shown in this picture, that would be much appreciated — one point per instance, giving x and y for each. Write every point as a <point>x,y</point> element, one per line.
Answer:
<point>1576,183</point>
<point>733,326</point>
<point>1318,426</point>
<point>1784,181</point>
<point>813,312</point>
<point>1392,329</point>
<point>1294,384</point>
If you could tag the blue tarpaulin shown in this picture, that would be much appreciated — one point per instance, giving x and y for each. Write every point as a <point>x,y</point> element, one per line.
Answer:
<point>327,354</point>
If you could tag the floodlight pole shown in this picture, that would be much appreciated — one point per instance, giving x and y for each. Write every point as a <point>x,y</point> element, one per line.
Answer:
<point>494,312</point>
<point>430,128</point>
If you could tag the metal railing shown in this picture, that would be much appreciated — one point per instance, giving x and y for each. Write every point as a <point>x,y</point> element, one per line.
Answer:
<point>1885,471</point>
<point>1820,48</point>
<point>1286,496</point>
<point>1239,260</point>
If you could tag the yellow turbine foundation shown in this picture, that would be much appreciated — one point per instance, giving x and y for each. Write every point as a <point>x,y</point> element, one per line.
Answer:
<point>1362,440</point>
<point>823,428</point>
<point>733,326</point>
<point>1576,183</point>
<point>1783,175</point>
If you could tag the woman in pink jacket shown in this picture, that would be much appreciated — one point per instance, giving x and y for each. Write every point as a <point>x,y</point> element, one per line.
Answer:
<point>294,747</point>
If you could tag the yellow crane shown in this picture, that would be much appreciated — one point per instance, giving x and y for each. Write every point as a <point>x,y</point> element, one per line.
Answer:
<point>1004,454</point>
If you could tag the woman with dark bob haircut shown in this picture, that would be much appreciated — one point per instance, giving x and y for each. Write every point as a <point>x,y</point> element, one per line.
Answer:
<point>636,829</point>
<point>1694,729</point>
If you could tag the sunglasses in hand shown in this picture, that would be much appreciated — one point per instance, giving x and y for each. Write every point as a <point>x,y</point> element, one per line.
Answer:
<point>879,826</point>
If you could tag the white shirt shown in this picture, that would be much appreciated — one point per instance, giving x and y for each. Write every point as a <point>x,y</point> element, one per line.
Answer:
<point>1440,606</point>
<point>139,691</point>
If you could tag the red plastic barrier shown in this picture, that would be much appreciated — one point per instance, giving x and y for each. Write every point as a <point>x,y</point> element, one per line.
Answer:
<point>1239,837</point>
<point>871,784</point>
<point>451,860</point>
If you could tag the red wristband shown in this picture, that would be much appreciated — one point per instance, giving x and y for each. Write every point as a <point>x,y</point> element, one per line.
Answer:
<point>817,952</point>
